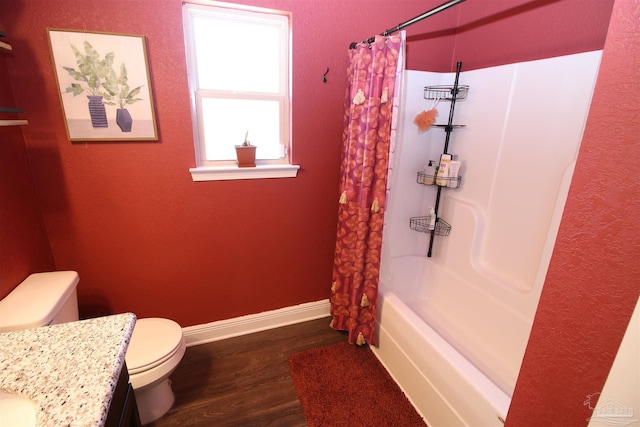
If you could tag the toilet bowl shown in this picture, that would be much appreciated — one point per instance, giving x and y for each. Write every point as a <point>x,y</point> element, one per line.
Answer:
<point>155,349</point>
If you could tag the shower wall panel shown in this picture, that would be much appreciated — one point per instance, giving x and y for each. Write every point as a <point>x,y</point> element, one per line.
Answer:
<point>523,128</point>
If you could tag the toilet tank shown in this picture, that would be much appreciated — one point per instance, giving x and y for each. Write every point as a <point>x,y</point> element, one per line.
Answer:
<point>42,299</point>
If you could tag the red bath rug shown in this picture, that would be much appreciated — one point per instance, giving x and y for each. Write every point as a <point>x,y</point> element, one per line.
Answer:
<point>346,385</point>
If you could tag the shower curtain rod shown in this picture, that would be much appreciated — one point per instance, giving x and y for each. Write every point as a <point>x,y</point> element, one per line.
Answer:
<point>418,18</point>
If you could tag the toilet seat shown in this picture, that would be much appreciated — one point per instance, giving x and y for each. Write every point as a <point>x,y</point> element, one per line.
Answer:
<point>153,342</point>
<point>155,350</point>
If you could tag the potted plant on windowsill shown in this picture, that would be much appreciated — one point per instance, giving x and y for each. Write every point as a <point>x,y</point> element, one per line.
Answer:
<point>246,153</point>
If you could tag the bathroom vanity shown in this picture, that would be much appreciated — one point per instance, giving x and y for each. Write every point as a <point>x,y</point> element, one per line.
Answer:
<point>74,373</point>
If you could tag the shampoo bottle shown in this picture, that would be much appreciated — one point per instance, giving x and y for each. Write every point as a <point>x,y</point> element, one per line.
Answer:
<point>443,171</point>
<point>429,173</point>
<point>431,219</point>
<point>454,169</point>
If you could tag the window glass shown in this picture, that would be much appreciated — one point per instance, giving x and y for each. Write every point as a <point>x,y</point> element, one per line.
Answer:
<point>227,120</point>
<point>238,65</point>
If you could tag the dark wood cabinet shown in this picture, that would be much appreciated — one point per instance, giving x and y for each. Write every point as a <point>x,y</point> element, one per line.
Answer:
<point>123,411</point>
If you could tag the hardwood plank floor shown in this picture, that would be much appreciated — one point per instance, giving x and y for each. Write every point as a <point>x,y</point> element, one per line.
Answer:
<point>244,381</point>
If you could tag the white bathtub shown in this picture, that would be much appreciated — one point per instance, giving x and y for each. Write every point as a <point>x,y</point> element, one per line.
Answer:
<point>445,388</point>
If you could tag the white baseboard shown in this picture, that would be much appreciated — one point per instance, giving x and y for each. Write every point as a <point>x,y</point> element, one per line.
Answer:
<point>223,329</point>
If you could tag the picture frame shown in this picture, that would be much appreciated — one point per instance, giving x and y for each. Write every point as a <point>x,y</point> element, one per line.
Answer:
<point>104,85</point>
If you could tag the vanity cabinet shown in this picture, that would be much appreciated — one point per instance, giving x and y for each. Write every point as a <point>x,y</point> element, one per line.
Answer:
<point>123,411</point>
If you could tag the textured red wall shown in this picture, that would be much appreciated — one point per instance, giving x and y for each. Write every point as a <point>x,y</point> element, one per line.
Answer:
<point>593,280</point>
<point>23,243</point>
<point>24,247</point>
<point>499,32</point>
<point>127,216</point>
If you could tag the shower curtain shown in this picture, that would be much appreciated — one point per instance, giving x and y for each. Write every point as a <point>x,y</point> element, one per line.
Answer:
<point>371,103</point>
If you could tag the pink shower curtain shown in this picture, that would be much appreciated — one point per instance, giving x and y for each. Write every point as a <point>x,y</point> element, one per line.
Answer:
<point>374,80</point>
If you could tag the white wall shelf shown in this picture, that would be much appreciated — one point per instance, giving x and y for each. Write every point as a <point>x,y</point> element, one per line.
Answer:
<point>13,122</point>
<point>4,45</point>
<point>7,46</point>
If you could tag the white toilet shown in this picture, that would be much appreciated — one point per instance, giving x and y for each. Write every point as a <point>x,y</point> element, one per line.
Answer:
<point>156,346</point>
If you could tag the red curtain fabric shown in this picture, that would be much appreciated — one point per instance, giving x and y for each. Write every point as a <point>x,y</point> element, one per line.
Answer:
<point>374,73</point>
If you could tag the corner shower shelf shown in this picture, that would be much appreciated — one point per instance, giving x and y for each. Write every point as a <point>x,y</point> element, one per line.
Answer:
<point>446,93</point>
<point>421,224</point>
<point>440,93</point>
<point>425,179</point>
<point>447,126</point>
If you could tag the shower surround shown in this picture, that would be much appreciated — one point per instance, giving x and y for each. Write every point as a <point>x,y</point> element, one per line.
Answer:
<point>452,328</point>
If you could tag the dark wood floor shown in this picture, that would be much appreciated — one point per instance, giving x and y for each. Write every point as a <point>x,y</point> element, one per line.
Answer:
<point>244,381</point>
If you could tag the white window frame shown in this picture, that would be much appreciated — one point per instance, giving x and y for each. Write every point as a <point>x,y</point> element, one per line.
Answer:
<point>207,170</point>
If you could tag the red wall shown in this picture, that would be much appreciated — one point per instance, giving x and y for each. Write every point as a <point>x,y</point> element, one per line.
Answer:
<point>495,32</point>
<point>593,280</point>
<point>24,247</point>
<point>128,217</point>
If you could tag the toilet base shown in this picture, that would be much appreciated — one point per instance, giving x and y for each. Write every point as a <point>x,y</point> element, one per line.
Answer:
<point>154,401</point>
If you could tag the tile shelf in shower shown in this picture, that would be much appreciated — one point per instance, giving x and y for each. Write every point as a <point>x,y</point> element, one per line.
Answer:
<point>421,224</point>
<point>430,180</point>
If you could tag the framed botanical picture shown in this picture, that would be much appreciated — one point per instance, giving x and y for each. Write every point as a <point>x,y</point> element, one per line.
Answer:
<point>104,85</point>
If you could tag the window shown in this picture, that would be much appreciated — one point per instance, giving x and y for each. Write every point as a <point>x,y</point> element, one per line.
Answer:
<point>239,79</point>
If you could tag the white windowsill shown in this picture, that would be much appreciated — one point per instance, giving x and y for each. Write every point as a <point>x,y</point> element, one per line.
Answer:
<point>220,173</point>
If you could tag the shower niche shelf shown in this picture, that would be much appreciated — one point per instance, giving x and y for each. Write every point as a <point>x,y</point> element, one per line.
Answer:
<point>421,223</point>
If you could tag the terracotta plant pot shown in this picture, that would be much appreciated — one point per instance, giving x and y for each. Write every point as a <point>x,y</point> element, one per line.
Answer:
<point>246,155</point>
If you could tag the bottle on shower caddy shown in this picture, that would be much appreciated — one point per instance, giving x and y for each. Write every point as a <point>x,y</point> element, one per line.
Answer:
<point>431,219</point>
<point>429,173</point>
<point>454,169</point>
<point>442,178</point>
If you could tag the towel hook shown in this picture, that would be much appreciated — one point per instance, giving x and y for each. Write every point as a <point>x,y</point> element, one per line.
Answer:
<point>324,76</point>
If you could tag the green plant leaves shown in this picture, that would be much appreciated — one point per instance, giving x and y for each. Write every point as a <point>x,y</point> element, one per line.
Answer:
<point>75,88</point>
<point>100,78</point>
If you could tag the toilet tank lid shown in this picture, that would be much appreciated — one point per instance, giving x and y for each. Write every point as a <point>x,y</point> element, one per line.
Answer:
<point>36,300</point>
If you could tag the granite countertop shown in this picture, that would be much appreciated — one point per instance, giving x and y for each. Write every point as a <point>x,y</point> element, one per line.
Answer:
<point>70,370</point>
